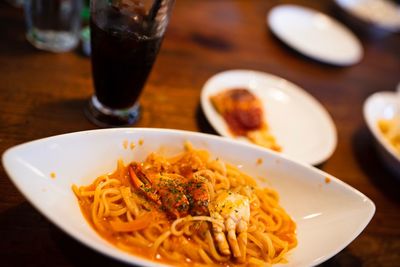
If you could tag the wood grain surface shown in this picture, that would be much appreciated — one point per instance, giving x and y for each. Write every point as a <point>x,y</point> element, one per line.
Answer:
<point>44,94</point>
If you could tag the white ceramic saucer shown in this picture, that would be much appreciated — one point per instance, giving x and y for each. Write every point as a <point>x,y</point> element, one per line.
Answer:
<point>299,122</point>
<point>315,34</point>
<point>381,13</point>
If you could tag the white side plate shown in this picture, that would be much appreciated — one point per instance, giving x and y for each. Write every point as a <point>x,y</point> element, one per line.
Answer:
<point>382,13</point>
<point>299,122</point>
<point>315,35</point>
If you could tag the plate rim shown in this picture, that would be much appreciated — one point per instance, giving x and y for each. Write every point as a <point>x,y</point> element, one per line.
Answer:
<point>303,51</point>
<point>208,109</point>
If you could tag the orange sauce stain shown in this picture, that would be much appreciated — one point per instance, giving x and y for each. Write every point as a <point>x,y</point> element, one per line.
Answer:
<point>125,144</point>
<point>259,161</point>
<point>262,179</point>
<point>327,180</point>
<point>53,175</point>
<point>141,142</point>
<point>132,145</point>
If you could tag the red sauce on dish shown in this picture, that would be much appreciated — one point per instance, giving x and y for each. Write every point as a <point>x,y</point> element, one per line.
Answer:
<point>241,110</point>
<point>243,113</point>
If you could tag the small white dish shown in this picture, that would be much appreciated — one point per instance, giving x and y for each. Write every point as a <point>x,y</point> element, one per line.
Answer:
<point>382,105</point>
<point>329,213</point>
<point>315,35</point>
<point>381,13</point>
<point>301,125</point>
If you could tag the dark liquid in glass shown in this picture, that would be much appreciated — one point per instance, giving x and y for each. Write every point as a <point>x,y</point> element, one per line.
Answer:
<point>123,53</point>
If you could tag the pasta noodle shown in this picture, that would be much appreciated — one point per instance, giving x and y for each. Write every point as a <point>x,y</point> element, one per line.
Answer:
<point>227,219</point>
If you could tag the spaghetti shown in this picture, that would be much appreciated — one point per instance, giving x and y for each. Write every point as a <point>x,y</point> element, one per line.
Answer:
<point>190,210</point>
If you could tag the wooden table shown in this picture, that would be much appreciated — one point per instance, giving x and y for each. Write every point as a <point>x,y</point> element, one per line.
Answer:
<point>44,94</point>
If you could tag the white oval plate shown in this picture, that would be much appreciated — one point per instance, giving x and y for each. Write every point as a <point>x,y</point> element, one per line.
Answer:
<point>299,122</point>
<point>315,35</point>
<point>328,215</point>
<point>382,13</point>
<point>382,105</point>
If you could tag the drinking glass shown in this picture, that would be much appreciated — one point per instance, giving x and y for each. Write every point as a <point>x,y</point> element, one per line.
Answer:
<point>53,25</point>
<point>126,36</point>
<point>16,3</point>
